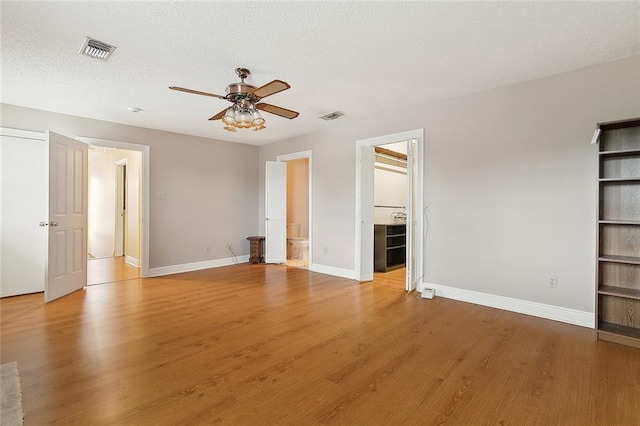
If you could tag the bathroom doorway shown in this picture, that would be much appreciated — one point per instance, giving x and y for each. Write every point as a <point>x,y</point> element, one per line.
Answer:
<point>298,209</point>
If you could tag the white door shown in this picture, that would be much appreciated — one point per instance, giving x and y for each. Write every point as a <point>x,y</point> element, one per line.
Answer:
<point>367,175</point>
<point>412,184</point>
<point>66,269</point>
<point>23,203</point>
<point>121,206</point>
<point>275,212</point>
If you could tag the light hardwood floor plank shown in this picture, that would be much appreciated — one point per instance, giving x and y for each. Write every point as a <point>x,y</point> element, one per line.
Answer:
<point>268,344</point>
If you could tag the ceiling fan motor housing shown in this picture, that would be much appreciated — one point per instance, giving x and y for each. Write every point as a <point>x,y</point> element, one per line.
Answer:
<point>238,91</point>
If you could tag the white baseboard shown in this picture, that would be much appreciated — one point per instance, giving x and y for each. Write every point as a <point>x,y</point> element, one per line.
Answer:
<point>556,313</point>
<point>132,261</point>
<point>330,270</point>
<point>196,266</point>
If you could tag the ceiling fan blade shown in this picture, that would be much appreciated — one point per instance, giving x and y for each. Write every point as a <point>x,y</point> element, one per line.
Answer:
<point>196,92</point>
<point>270,88</point>
<point>282,112</point>
<point>219,115</point>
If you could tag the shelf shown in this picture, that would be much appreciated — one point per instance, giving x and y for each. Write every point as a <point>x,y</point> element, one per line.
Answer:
<point>619,180</point>
<point>607,327</point>
<point>632,260</point>
<point>619,222</point>
<point>628,293</point>
<point>389,247</point>
<point>618,233</point>
<point>620,153</point>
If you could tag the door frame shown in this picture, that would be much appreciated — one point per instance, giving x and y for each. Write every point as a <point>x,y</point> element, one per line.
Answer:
<point>418,135</point>
<point>144,188</point>
<point>298,156</point>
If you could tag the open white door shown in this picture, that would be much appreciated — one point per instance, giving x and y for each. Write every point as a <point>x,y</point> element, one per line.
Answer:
<point>121,207</point>
<point>275,212</point>
<point>414,216</point>
<point>66,269</point>
<point>367,176</point>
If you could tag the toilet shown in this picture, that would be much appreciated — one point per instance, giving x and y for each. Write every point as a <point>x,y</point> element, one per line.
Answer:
<point>297,247</point>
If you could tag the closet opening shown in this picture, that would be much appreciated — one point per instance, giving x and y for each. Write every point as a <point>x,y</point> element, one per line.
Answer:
<point>390,213</point>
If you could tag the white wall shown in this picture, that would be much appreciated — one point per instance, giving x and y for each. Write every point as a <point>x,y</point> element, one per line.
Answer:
<point>389,189</point>
<point>510,181</point>
<point>211,186</point>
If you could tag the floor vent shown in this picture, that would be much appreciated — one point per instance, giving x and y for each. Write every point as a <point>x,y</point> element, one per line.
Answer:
<point>332,115</point>
<point>96,49</point>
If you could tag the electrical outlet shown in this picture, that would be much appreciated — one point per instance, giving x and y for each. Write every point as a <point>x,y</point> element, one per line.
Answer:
<point>228,246</point>
<point>553,282</point>
<point>326,250</point>
<point>207,249</point>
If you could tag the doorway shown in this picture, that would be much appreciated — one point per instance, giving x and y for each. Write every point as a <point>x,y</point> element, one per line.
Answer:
<point>298,213</point>
<point>365,176</point>
<point>114,222</point>
<point>294,181</point>
<point>390,214</point>
<point>118,207</point>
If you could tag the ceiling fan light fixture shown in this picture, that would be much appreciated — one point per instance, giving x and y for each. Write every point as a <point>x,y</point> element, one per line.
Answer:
<point>246,100</point>
<point>243,118</point>
<point>257,119</point>
<point>229,117</point>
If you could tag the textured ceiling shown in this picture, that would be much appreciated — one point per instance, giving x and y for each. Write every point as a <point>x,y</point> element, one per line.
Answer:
<point>361,58</point>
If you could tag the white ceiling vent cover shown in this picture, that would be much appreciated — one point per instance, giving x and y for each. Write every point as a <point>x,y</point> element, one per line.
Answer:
<point>96,49</point>
<point>332,115</point>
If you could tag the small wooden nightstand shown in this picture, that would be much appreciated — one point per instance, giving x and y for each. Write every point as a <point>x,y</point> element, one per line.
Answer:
<point>256,249</point>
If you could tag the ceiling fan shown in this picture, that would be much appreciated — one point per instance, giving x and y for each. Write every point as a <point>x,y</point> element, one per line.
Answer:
<point>246,100</point>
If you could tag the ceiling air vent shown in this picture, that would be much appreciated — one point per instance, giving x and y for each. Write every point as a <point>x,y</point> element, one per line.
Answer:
<point>96,49</point>
<point>332,115</point>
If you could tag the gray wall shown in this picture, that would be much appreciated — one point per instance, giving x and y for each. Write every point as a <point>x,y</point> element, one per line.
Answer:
<point>211,186</point>
<point>510,181</point>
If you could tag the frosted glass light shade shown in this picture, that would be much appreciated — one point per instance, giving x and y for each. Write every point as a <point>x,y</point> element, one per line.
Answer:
<point>229,117</point>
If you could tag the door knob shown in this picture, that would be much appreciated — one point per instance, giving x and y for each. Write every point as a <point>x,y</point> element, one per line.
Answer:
<point>43,224</point>
<point>53,223</point>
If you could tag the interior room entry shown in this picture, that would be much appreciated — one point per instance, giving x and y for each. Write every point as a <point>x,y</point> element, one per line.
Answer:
<point>115,177</point>
<point>288,210</point>
<point>104,158</point>
<point>298,213</point>
<point>364,241</point>
<point>390,208</point>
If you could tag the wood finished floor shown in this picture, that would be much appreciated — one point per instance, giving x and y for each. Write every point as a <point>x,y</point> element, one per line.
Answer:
<point>258,344</point>
<point>110,269</point>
